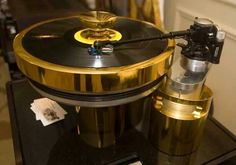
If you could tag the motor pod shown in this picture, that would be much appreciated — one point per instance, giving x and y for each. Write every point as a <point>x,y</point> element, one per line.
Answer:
<point>180,107</point>
<point>176,125</point>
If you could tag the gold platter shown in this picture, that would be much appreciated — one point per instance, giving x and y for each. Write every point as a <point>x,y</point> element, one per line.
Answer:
<point>88,79</point>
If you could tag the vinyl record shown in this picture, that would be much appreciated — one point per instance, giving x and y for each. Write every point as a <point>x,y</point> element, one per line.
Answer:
<point>54,42</point>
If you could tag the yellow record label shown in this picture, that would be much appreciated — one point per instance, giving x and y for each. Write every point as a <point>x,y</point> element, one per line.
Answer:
<point>88,36</point>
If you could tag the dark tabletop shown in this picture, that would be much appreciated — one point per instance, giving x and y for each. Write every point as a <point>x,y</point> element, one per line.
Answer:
<point>59,143</point>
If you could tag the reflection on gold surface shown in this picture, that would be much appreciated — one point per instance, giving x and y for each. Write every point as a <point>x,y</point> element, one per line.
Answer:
<point>176,125</point>
<point>47,36</point>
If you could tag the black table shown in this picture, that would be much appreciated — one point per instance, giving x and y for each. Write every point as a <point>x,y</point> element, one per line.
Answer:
<point>59,143</point>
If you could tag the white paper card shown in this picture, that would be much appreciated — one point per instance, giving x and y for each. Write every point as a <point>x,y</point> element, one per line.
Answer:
<point>48,111</point>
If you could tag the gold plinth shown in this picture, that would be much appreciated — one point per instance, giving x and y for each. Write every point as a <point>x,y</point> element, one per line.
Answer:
<point>176,125</point>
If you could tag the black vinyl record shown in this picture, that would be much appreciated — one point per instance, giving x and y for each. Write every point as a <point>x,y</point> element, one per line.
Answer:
<point>54,42</point>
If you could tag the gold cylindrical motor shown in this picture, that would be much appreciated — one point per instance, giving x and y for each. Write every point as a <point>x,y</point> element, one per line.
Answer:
<point>100,127</point>
<point>176,124</point>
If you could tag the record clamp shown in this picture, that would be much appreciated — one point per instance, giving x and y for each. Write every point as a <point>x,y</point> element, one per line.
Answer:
<point>98,27</point>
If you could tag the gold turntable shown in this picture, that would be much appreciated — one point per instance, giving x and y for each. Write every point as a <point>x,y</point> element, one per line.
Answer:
<point>54,54</point>
<point>110,68</point>
<point>108,88</point>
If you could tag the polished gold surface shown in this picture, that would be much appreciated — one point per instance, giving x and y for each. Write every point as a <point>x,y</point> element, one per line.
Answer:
<point>98,27</point>
<point>176,125</point>
<point>91,80</point>
<point>97,126</point>
<point>100,127</point>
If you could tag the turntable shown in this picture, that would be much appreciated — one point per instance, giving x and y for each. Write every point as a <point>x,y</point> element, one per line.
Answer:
<point>55,57</point>
<point>112,70</point>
